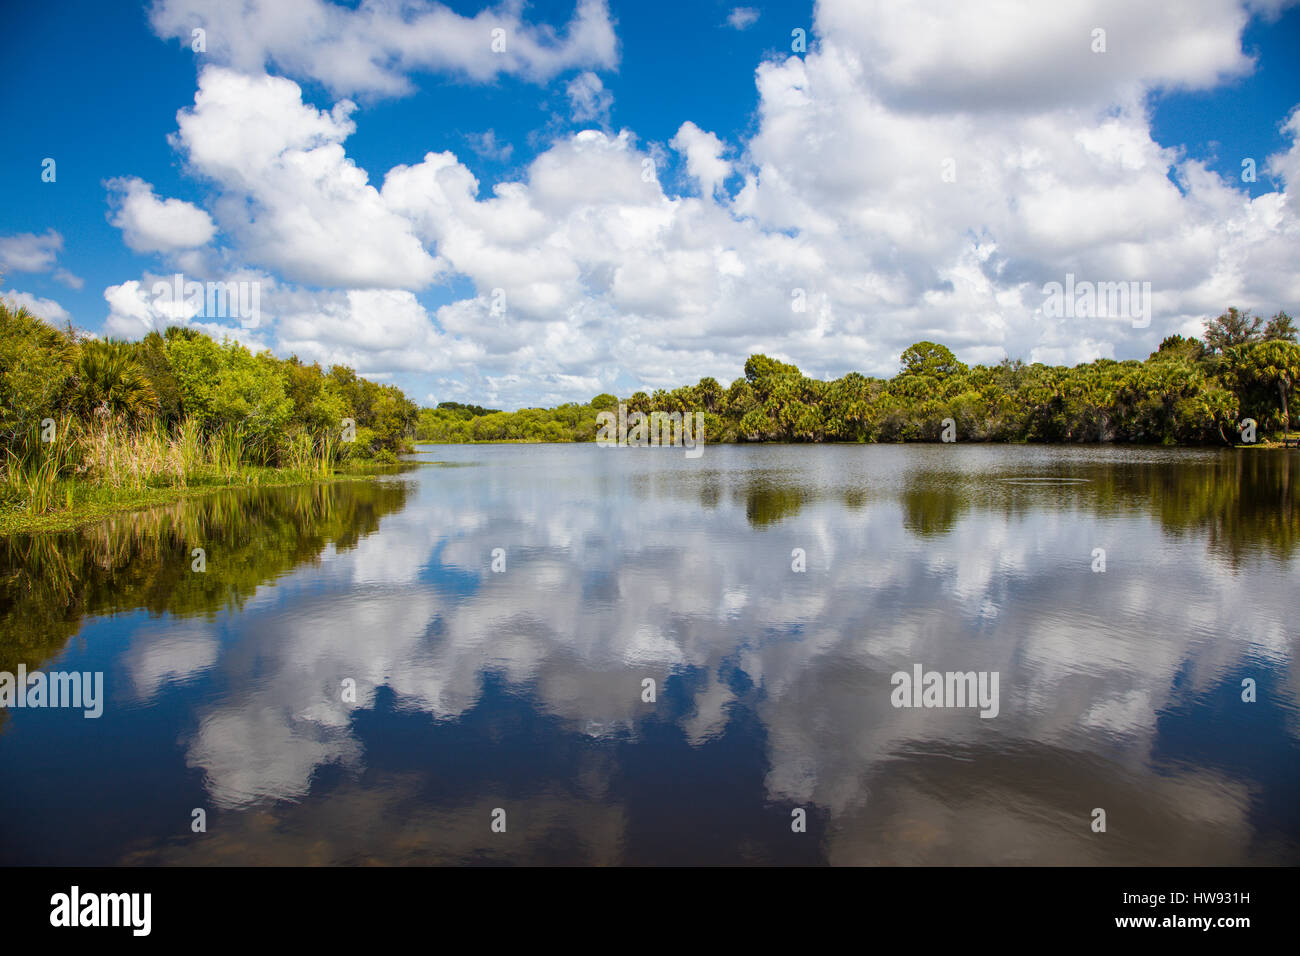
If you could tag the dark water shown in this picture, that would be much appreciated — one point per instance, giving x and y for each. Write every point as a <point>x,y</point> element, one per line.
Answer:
<point>523,690</point>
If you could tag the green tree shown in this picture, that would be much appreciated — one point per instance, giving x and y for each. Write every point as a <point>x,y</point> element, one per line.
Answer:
<point>1280,328</point>
<point>228,389</point>
<point>850,413</point>
<point>107,380</point>
<point>709,394</point>
<point>1231,329</point>
<point>740,398</point>
<point>1178,347</point>
<point>316,407</point>
<point>1273,365</point>
<point>35,369</point>
<point>151,354</point>
<point>929,358</point>
<point>759,368</point>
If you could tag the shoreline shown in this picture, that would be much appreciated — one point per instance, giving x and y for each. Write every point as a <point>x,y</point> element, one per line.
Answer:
<point>1271,444</point>
<point>17,521</point>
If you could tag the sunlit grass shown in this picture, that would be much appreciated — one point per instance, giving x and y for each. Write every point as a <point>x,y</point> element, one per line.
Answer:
<point>90,470</point>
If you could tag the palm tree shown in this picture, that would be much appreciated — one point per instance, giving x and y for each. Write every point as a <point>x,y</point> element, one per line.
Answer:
<point>1270,364</point>
<point>109,381</point>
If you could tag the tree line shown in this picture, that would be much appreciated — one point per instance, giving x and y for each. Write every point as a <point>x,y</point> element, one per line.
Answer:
<point>1189,391</point>
<point>173,407</point>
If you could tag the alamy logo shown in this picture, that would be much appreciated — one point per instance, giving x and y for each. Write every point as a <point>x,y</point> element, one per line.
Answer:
<point>84,690</point>
<point>102,909</point>
<point>657,428</point>
<point>948,689</point>
<point>1098,300</point>
<point>210,300</point>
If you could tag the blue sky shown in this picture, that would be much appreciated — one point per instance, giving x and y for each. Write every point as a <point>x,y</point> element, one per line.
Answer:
<point>817,174</point>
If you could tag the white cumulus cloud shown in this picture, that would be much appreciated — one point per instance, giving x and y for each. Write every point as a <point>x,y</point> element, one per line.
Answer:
<point>47,309</point>
<point>150,224</point>
<point>901,181</point>
<point>371,49</point>
<point>289,194</point>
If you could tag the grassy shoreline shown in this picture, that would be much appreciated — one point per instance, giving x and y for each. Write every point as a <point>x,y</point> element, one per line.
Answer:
<point>94,502</point>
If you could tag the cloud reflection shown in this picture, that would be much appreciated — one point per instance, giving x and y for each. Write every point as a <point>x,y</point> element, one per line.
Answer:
<point>615,574</point>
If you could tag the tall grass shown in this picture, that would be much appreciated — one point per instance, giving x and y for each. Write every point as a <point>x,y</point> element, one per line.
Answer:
<point>33,470</point>
<point>188,439</point>
<point>114,454</point>
<point>327,452</point>
<point>225,449</point>
<point>312,455</point>
<point>109,452</point>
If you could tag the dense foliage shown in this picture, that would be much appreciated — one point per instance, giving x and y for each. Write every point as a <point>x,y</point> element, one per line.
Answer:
<point>162,410</point>
<point>1187,392</point>
<point>452,422</point>
<point>183,374</point>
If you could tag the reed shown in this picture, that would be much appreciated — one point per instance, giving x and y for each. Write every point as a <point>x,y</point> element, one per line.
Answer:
<point>117,455</point>
<point>33,470</point>
<point>109,457</point>
<point>187,438</point>
<point>225,449</point>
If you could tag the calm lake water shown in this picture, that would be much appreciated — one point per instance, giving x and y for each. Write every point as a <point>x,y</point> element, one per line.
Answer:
<point>523,690</point>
